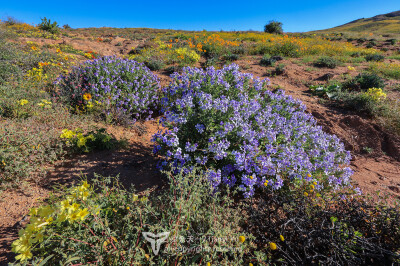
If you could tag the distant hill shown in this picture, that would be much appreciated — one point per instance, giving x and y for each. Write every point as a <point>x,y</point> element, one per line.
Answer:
<point>380,24</point>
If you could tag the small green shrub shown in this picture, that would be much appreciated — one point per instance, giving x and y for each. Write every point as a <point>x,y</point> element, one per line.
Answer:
<point>46,25</point>
<point>326,61</point>
<point>392,41</point>
<point>155,63</point>
<point>362,103</point>
<point>280,69</point>
<point>266,60</point>
<point>361,40</point>
<point>212,61</point>
<point>374,57</point>
<point>364,81</point>
<point>231,57</point>
<point>371,44</point>
<point>241,49</point>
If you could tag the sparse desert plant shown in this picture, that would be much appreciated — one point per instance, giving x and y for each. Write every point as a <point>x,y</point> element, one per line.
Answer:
<point>327,62</point>
<point>389,70</point>
<point>361,40</point>
<point>374,57</point>
<point>155,63</point>
<point>266,60</point>
<point>364,81</point>
<point>363,103</point>
<point>371,44</point>
<point>46,25</point>
<point>280,69</point>
<point>231,57</point>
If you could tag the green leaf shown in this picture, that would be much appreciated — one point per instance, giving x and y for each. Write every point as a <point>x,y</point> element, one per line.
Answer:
<point>71,260</point>
<point>43,262</point>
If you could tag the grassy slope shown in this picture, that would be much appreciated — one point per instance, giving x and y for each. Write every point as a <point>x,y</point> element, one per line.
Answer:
<point>381,24</point>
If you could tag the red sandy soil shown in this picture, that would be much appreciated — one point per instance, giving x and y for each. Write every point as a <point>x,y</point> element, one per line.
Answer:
<point>376,171</point>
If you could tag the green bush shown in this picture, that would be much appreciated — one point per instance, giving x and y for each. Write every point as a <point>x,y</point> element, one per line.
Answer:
<point>46,25</point>
<point>241,49</point>
<point>361,40</point>
<point>274,27</point>
<point>280,69</point>
<point>155,63</point>
<point>326,61</point>
<point>231,57</point>
<point>266,60</point>
<point>212,61</point>
<point>362,103</point>
<point>374,57</point>
<point>364,81</point>
<point>371,44</point>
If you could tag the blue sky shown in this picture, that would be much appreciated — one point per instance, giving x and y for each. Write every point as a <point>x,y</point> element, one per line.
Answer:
<point>296,15</point>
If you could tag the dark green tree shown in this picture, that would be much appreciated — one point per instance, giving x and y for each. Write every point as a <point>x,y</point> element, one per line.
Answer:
<point>274,27</point>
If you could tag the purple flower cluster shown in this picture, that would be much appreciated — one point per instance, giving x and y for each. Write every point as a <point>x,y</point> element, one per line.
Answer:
<point>245,135</point>
<point>114,84</point>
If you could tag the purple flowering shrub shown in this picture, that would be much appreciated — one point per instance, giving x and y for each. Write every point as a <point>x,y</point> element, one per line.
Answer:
<point>112,85</point>
<point>244,135</point>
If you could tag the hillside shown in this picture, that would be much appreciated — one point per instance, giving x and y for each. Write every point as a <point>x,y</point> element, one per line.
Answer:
<point>382,24</point>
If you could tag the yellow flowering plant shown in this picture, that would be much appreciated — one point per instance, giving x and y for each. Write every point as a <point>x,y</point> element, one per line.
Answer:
<point>97,139</point>
<point>183,56</point>
<point>72,209</point>
<point>45,104</point>
<point>22,102</point>
<point>375,94</point>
